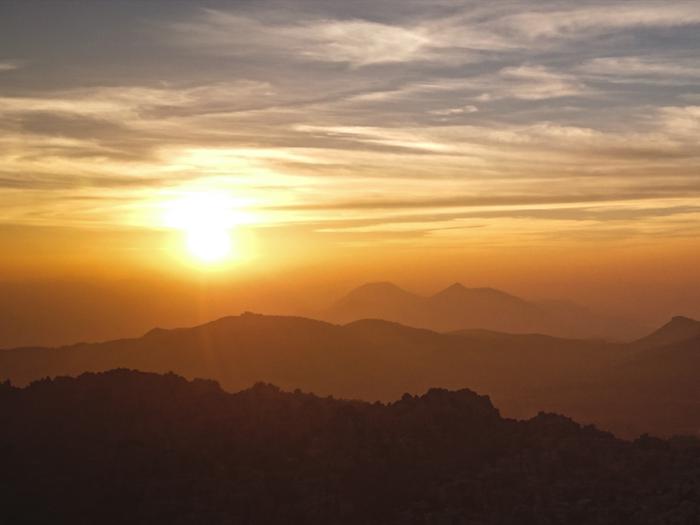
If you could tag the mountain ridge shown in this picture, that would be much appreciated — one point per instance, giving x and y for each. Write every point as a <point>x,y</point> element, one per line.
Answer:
<point>379,360</point>
<point>458,307</point>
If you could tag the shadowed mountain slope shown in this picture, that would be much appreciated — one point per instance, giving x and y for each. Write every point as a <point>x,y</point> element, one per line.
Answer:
<point>379,300</point>
<point>677,330</point>
<point>372,359</point>
<point>458,307</point>
<point>651,388</point>
<point>125,446</point>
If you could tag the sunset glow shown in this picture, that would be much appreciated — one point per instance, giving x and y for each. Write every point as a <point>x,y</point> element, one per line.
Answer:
<point>350,261</point>
<point>549,148</point>
<point>207,220</point>
<point>209,244</point>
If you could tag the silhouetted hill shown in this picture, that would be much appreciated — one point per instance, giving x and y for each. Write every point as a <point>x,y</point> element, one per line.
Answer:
<point>677,330</point>
<point>373,359</point>
<point>655,388</point>
<point>129,447</point>
<point>377,300</point>
<point>458,307</point>
<point>370,359</point>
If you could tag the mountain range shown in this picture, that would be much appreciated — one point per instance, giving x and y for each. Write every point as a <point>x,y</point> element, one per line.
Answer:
<point>458,307</point>
<point>648,385</point>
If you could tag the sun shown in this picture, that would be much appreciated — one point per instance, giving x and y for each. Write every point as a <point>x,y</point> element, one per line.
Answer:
<point>209,245</point>
<point>207,220</point>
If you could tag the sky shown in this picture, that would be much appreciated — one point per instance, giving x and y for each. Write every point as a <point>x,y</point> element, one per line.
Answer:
<point>552,148</point>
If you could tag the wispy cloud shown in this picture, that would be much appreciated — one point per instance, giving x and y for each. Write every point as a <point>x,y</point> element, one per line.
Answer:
<point>529,111</point>
<point>629,69</point>
<point>555,22</point>
<point>525,82</point>
<point>448,112</point>
<point>358,42</point>
<point>535,83</point>
<point>457,38</point>
<point>10,65</point>
<point>498,201</point>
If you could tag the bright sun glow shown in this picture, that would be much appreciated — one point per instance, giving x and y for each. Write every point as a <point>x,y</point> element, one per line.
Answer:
<point>209,244</point>
<point>207,220</point>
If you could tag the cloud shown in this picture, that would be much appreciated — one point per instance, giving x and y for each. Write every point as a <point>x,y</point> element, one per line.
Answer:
<point>514,200</point>
<point>536,83</point>
<point>459,38</point>
<point>362,43</point>
<point>409,139</point>
<point>9,65</point>
<point>681,123</point>
<point>449,112</point>
<point>320,109</point>
<point>586,218</point>
<point>555,22</point>
<point>636,68</point>
<point>358,42</point>
<point>524,82</point>
<point>129,101</point>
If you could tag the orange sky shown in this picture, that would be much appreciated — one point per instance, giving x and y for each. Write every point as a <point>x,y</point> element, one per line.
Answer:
<point>549,149</point>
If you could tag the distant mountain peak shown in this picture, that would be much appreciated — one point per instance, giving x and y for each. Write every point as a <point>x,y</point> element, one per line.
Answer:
<point>155,332</point>
<point>678,329</point>
<point>379,286</point>
<point>679,322</point>
<point>682,320</point>
<point>457,289</point>
<point>458,307</point>
<point>377,291</point>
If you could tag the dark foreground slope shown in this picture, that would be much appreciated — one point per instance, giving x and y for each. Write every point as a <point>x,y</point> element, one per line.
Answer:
<point>130,447</point>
